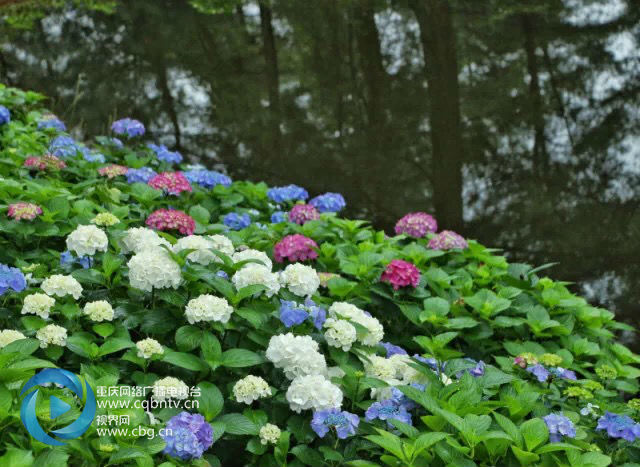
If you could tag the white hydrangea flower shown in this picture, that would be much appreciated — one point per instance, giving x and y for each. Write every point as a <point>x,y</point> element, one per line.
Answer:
<point>296,355</point>
<point>52,334</point>
<point>300,279</point>
<point>269,433</point>
<point>153,268</point>
<point>100,310</point>
<point>7,336</point>
<point>61,285</point>
<point>252,254</point>
<point>335,372</point>
<point>170,388</point>
<point>313,392</point>
<point>381,368</point>
<point>203,254</point>
<point>251,274</point>
<point>340,333</point>
<point>149,347</point>
<point>208,308</point>
<point>406,373</point>
<point>138,239</point>
<point>86,240</point>
<point>222,244</point>
<point>38,304</point>
<point>375,331</point>
<point>251,388</point>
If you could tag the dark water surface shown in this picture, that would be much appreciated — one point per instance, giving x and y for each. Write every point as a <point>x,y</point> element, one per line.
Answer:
<point>513,121</point>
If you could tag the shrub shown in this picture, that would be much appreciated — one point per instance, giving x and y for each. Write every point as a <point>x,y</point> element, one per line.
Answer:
<point>340,346</point>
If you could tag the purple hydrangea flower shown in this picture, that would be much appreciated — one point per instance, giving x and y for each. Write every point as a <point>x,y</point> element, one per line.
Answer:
<point>236,221</point>
<point>163,153</point>
<point>64,146</point>
<point>317,314</point>
<point>539,371</point>
<point>51,121</point>
<point>291,314</point>
<point>559,426</point>
<point>141,175</point>
<point>563,373</point>
<point>278,217</point>
<point>207,178</point>
<point>619,426</point>
<point>393,349</point>
<point>128,127</point>
<point>187,436</point>
<point>282,194</point>
<point>328,202</point>
<point>343,422</point>
<point>387,410</point>
<point>5,115</point>
<point>11,278</point>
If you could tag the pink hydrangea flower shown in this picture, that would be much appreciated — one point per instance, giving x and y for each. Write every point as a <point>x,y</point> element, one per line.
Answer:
<point>301,213</point>
<point>113,170</point>
<point>295,248</point>
<point>24,211</point>
<point>48,161</point>
<point>401,273</point>
<point>169,219</point>
<point>416,224</point>
<point>171,182</point>
<point>447,240</point>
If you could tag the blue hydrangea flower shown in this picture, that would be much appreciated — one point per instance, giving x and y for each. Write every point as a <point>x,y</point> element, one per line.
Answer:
<point>398,397</point>
<point>64,146</point>
<point>163,153</point>
<point>53,122</point>
<point>328,202</point>
<point>619,426</point>
<point>431,362</point>
<point>128,127</point>
<point>563,373</point>
<point>386,410</point>
<point>11,278</point>
<point>187,436</point>
<point>207,178</point>
<point>317,314</point>
<point>92,156</point>
<point>476,371</point>
<point>5,115</point>
<point>115,142</point>
<point>291,314</point>
<point>539,371</point>
<point>343,422</point>
<point>282,194</point>
<point>141,175</point>
<point>392,349</point>
<point>222,274</point>
<point>278,217</point>
<point>67,259</point>
<point>559,426</point>
<point>236,221</point>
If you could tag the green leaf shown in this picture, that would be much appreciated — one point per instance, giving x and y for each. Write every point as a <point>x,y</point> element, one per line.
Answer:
<point>184,360</point>
<point>103,329</point>
<point>534,432</point>
<point>240,358</point>
<point>340,287</point>
<point>210,400</point>
<point>51,457</point>
<point>114,344</point>
<point>248,291</point>
<point>307,456</point>
<point>188,338</point>
<point>17,458</point>
<point>525,458</point>
<point>238,424</point>
<point>200,214</point>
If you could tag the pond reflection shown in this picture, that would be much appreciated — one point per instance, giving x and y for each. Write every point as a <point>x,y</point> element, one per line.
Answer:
<point>515,122</point>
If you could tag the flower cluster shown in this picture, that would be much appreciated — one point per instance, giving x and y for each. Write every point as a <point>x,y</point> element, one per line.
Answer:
<point>187,436</point>
<point>303,213</point>
<point>401,273</point>
<point>388,410</point>
<point>141,175</point>
<point>208,308</point>
<point>50,121</point>
<point>252,274</point>
<point>375,331</point>
<point>207,178</point>
<point>148,347</point>
<point>7,336</point>
<point>202,246</point>
<point>38,304</point>
<point>105,219</point>
<point>170,219</point>
<point>416,224</point>
<point>170,388</point>
<point>313,392</point>
<point>278,217</point>
<point>24,211</point>
<point>344,423</point>
<point>559,426</point>
<point>301,280</point>
<point>286,193</point>
<point>46,162</point>
<point>294,248</point>
<point>51,335</point>
<point>619,426</point>
<point>447,240</point>
<point>86,240</point>
<point>163,153</point>
<point>340,333</point>
<point>5,115</point>
<point>328,202</point>
<point>64,146</point>
<point>61,286</point>
<point>173,183</point>
<point>153,268</point>
<point>98,311</point>
<point>67,259</point>
<point>296,355</point>
<point>250,254</point>
<point>251,388</point>
<point>128,127</point>
<point>137,239</point>
<point>269,434</point>
<point>113,170</point>
<point>236,221</point>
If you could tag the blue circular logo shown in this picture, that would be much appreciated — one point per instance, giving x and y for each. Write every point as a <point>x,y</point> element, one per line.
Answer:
<point>57,407</point>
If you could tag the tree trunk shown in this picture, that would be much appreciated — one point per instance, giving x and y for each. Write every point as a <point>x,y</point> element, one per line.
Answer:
<point>439,49</point>
<point>167,98</point>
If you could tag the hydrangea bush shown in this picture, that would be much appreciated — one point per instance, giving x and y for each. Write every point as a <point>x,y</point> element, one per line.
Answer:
<point>310,339</point>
